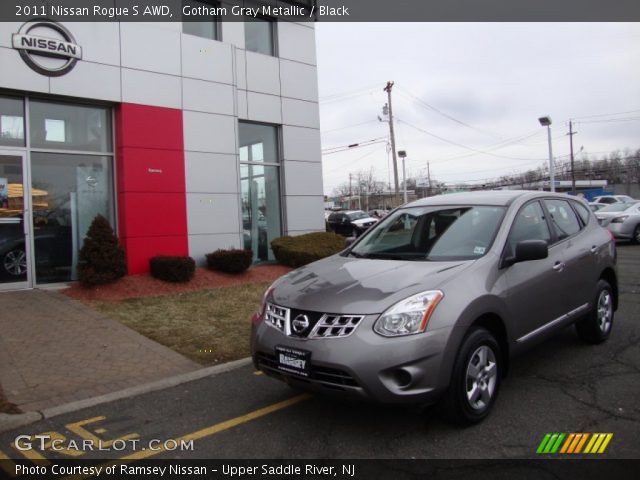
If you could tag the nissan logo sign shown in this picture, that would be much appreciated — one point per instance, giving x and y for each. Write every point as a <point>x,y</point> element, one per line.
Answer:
<point>47,47</point>
<point>300,323</point>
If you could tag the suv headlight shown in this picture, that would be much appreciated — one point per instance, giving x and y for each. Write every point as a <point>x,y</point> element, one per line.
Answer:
<point>410,316</point>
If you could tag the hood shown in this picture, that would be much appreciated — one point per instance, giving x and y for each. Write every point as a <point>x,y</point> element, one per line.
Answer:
<point>360,286</point>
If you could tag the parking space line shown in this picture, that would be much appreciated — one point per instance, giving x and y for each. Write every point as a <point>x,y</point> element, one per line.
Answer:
<point>222,426</point>
<point>31,454</point>
<point>6,464</point>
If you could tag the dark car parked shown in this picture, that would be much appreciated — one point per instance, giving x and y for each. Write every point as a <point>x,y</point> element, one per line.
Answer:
<point>350,223</point>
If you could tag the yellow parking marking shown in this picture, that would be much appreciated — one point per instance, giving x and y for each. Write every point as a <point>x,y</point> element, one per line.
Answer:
<point>206,432</point>
<point>222,426</point>
<point>60,439</point>
<point>258,372</point>
<point>31,454</point>
<point>7,464</point>
<point>78,429</point>
<point>100,430</point>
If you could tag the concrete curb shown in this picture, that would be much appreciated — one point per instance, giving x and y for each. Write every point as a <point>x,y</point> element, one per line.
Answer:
<point>9,422</point>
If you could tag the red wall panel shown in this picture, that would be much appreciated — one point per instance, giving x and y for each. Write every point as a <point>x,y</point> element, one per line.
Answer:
<point>152,216</point>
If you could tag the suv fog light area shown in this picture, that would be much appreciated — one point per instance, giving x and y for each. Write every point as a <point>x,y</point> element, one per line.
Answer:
<point>402,378</point>
<point>409,316</point>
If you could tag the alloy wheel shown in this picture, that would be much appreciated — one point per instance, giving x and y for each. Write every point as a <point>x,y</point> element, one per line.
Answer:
<point>15,262</point>
<point>481,377</point>
<point>604,311</point>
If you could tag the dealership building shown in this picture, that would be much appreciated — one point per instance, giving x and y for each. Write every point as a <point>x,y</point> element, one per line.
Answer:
<point>189,137</point>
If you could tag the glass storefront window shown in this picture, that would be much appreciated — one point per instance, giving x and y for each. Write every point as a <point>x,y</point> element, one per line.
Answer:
<point>59,126</point>
<point>207,27</point>
<point>258,35</point>
<point>260,188</point>
<point>67,192</point>
<point>11,122</point>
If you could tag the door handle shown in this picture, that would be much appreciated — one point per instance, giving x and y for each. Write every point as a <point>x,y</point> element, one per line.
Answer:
<point>559,266</point>
<point>595,249</point>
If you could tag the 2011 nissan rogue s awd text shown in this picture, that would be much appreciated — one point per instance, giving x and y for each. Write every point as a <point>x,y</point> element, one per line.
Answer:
<point>433,301</point>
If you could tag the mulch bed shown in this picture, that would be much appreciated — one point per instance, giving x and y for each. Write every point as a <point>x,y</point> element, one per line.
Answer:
<point>135,286</point>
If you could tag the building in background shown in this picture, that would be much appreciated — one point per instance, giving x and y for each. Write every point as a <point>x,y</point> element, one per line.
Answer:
<point>189,137</point>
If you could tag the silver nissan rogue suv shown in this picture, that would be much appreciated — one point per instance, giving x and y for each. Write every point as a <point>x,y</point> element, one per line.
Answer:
<point>433,301</point>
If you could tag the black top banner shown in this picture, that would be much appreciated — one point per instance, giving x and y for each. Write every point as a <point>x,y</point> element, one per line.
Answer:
<point>322,10</point>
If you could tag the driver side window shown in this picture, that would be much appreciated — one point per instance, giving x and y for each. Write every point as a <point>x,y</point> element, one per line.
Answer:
<point>529,224</point>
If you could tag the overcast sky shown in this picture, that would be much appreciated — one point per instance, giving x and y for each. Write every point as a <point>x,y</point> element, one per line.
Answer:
<point>493,80</point>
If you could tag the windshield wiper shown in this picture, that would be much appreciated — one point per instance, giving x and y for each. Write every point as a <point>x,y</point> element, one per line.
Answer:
<point>354,254</point>
<point>392,256</point>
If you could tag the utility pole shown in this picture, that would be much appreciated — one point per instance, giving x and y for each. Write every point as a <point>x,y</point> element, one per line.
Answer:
<point>428,180</point>
<point>573,170</point>
<point>393,142</point>
<point>350,195</point>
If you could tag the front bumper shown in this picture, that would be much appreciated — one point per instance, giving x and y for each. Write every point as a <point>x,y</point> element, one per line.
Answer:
<point>364,365</point>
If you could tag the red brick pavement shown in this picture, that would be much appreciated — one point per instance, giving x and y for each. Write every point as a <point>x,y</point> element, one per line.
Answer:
<point>55,350</point>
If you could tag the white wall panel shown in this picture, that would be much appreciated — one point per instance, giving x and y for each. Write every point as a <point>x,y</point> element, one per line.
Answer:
<point>16,74</point>
<point>146,46</point>
<point>211,173</point>
<point>301,143</point>
<point>8,29</point>
<point>207,132</point>
<point>89,80</point>
<point>148,88</point>
<point>300,113</point>
<point>297,42</point>
<point>212,213</point>
<point>200,245</point>
<point>207,97</point>
<point>206,59</point>
<point>299,80</point>
<point>233,33</point>
<point>242,104</point>
<point>241,69</point>
<point>100,41</point>
<point>263,73</point>
<point>264,108</point>
<point>305,213</point>
<point>303,178</point>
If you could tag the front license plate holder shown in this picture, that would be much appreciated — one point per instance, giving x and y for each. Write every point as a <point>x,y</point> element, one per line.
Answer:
<point>292,360</point>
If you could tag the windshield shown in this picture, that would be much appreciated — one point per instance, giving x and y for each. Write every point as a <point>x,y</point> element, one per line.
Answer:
<point>616,207</point>
<point>357,215</point>
<point>432,233</point>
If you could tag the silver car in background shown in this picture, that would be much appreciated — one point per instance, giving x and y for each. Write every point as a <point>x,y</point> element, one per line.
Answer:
<point>622,220</point>
<point>433,301</point>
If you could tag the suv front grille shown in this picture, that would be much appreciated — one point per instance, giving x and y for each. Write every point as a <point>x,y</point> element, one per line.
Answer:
<point>319,325</point>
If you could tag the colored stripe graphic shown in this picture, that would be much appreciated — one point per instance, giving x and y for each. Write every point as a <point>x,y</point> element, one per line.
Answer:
<point>573,443</point>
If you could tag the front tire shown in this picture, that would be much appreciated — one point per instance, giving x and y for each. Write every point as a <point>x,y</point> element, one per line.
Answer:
<point>475,380</point>
<point>15,262</point>
<point>596,326</point>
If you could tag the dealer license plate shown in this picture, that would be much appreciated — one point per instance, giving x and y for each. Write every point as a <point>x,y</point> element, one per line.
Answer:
<point>292,360</point>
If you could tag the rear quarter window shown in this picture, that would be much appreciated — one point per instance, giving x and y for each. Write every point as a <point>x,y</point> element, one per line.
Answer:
<point>564,220</point>
<point>583,212</point>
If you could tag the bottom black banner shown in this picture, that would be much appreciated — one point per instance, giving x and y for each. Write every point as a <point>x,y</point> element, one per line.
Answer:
<point>538,469</point>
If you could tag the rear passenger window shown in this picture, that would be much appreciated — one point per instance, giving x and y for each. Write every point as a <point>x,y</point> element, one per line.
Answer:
<point>563,219</point>
<point>583,212</point>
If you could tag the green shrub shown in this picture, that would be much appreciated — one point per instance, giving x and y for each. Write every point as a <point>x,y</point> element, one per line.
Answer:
<point>172,269</point>
<point>101,259</point>
<point>230,261</point>
<point>303,249</point>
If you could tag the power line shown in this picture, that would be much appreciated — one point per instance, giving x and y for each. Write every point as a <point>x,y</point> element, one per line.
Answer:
<point>350,126</point>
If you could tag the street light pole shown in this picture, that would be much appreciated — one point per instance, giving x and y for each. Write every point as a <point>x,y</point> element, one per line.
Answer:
<point>546,122</point>
<point>403,154</point>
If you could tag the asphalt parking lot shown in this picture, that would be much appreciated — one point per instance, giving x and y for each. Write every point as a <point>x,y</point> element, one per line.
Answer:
<point>562,385</point>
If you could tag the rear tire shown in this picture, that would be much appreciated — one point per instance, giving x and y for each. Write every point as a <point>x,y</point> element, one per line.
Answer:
<point>636,235</point>
<point>475,380</point>
<point>596,326</point>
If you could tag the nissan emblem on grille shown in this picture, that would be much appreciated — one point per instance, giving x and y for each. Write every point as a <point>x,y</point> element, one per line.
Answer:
<point>300,323</point>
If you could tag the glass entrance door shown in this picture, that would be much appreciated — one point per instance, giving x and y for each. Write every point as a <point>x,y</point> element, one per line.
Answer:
<point>14,222</point>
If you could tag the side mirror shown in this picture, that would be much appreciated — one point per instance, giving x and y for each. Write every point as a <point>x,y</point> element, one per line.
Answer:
<point>528,250</point>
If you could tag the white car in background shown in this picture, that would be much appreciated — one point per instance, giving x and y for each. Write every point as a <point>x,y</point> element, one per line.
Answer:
<point>622,220</point>
<point>613,199</point>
